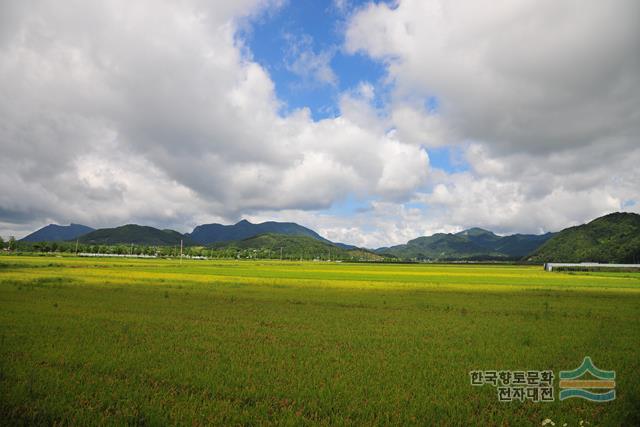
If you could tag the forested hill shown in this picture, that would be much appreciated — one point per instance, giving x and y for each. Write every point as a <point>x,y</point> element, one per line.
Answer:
<point>136,234</point>
<point>611,238</point>
<point>295,247</point>
<point>57,233</point>
<point>471,244</point>
<point>212,233</point>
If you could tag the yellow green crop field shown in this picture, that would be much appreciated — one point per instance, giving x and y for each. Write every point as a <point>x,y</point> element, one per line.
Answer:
<point>157,342</point>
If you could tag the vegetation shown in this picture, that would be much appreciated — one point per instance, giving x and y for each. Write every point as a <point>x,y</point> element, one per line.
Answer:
<point>267,246</point>
<point>611,238</point>
<point>212,233</point>
<point>274,246</point>
<point>71,248</point>
<point>136,234</point>
<point>472,244</point>
<point>123,341</point>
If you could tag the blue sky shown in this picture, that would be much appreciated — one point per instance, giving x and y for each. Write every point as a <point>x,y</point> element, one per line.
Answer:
<point>275,39</point>
<point>317,27</point>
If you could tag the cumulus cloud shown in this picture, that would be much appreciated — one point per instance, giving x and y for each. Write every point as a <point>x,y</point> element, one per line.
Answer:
<point>543,96</point>
<point>521,75</point>
<point>414,124</point>
<point>150,112</point>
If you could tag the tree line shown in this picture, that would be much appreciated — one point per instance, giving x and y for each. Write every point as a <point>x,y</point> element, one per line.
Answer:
<point>227,252</point>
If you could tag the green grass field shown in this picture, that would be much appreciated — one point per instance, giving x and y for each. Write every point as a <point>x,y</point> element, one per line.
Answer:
<point>153,342</point>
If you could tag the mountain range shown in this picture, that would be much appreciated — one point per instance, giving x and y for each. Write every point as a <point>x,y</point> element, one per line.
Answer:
<point>213,233</point>
<point>612,238</point>
<point>471,244</point>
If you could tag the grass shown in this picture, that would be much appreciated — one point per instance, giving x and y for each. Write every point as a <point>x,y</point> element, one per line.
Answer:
<point>153,342</point>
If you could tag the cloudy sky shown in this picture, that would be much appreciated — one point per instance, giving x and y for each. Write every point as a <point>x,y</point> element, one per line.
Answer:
<point>372,123</point>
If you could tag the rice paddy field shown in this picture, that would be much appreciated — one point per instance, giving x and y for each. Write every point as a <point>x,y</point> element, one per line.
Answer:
<point>158,342</point>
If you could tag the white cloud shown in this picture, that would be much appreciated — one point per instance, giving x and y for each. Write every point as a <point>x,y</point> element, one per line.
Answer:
<point>414,124</point>
<point>341,5</point>
<point>149,112</point>
<point>523,75</point>
<point>311,67</point>
<point>542,96</point>
<point>366,91</point>
<point>405,170</point>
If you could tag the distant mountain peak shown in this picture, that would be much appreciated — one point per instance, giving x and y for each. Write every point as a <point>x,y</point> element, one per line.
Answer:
<point>135,234</point>
<point>58,233</point>
<point>212,233</point>
<point>473,243</point>
<point>475,231</point>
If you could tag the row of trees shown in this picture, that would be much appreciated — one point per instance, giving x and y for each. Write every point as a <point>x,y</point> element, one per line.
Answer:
<point>228,252</point>
<point>122,249</point>
<point>10,244</point>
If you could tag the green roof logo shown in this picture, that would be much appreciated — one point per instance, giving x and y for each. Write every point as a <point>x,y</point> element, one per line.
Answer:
<point>572,386</point>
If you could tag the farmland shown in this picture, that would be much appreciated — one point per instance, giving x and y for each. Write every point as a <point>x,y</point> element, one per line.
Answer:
<point>153,342</point>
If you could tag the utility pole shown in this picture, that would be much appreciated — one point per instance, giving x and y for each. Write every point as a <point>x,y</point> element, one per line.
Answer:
<point>76,247</point>
<point>180,251</point>
<point>280,253</point>
<point>131,250</point>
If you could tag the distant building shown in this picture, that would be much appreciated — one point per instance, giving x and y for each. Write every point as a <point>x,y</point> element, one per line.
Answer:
<point>550,266</point>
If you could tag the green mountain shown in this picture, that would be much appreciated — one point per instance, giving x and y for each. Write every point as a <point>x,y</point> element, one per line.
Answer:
<point>57,233</point>
<point>519,245</point>
<point>272,245</point>
<point>136,234</point>
<point>211,233</point>
<point>611,238</point>
<point>471,244</point>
